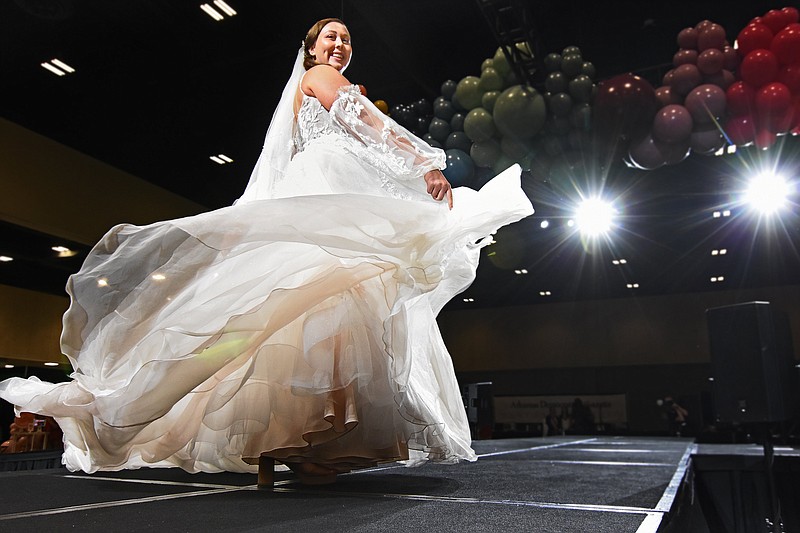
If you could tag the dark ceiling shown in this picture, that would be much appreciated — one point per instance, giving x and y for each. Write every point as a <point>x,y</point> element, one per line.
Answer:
<point>159,87</point>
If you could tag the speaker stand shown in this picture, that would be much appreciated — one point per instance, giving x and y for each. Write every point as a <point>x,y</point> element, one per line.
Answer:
<point>775,505</point>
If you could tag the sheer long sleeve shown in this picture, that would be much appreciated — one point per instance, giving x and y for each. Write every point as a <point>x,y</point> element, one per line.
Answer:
<point>393,149</point>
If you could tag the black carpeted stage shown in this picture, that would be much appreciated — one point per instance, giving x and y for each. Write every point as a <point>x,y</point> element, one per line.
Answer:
<point>561,484</point>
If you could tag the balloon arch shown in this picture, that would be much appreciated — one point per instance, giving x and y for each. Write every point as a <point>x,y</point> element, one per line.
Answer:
<point>715,95</point>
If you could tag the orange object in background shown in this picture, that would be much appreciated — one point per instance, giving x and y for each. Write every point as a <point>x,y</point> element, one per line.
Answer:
<point>30,433</point>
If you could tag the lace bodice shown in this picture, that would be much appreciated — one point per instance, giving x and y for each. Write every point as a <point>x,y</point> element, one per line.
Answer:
<point>358,127</point>
<point>313,121</point>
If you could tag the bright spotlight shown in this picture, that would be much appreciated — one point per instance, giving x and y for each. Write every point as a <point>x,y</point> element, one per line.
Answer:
<point>594,217</point>
<point>767,192</point>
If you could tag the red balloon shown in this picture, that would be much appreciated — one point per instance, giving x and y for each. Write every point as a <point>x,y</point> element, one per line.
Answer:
<point>753,37</point>
<point>712,36</point>
<point>741,99</point>
<point>786,46</point>
<point>765,139</point>
<point>775,20</point>
<point>685,78</point>
<point>759,67</point>
<point>773,99</point>
<point>705,103</point>
<point>673,123</point>
<point>792,14</point>
<point>710,61</point>
<point>790,76</point>
<point>741,130</point>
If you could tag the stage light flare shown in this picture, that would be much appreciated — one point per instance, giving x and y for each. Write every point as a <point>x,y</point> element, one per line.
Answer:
<point>595,216</point>
<point>767,193</point>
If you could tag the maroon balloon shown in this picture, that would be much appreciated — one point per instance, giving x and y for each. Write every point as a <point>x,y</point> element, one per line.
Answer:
<point>707,140</point>
<point>759,67</point>
<point>722,79</point>
<point>676,152</point>
<point>710,61</point>
<point>646,154</point>
<point>786,46</point>
<point>731,61</point>
<point>687,38</point>
<point>790,76</point>
<point>741,130</point>
<point>684,56</point>
<point>666,96</point>
<point>667,79</point>
<point>705,103</point>
<point>685,78</point>
<point>753,37</point>
<point>673,123</point>
<point>712,36</point>
<point>741,99</point>
<point>624,107</point>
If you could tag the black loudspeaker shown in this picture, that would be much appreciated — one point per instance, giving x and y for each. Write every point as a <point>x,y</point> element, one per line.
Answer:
<point>752,363</point>
<point>480,409</point>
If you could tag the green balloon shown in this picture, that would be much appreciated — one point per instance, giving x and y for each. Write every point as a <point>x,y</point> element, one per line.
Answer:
<point>571,50</point>
<point>468,92</point>
<point>485,153</point>
<point>488,100</point>
<point>552,62</point>
<point>487,63</point>
<point>561,104</point>
<point>479,125</point>
<point>571,65</point>
<point>556,82</point>
<point>580,88</point>
<point>519,112</point>
<point>502,163</point>
<point>588,69</point>
<point>500,62</point>
<point>516,149</point>
<point>491,80</point>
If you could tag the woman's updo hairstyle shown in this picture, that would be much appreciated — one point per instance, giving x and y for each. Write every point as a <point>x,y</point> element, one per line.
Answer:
<point>311,39</point>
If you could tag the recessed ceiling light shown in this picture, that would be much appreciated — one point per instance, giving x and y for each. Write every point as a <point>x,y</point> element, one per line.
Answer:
<point>58,67</point>
<point>8,366</point>
<point>5,259</point>
<point>50,363</point>
<point>216,15</point>
<point>228,10</point>
<point>221,159</point>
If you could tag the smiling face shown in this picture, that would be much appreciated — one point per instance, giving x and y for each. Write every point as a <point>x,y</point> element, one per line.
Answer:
<point>332,46</point>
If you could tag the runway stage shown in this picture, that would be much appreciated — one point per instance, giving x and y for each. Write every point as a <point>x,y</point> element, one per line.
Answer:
<point>559,484</point>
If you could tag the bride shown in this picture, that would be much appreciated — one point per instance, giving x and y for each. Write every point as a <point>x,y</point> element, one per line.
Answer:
<point>297,325</point>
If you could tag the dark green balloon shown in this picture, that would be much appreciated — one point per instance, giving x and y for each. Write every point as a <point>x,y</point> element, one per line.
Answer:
<point>519,112</point>
<point>479,125</point>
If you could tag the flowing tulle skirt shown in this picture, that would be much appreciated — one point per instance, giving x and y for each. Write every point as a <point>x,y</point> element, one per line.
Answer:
<point>302,327</point>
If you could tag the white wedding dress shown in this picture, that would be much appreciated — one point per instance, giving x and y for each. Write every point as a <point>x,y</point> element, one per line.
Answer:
<point>302,326</point>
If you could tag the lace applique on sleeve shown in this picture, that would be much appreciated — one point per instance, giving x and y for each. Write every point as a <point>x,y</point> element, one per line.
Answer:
<point>391,148</point>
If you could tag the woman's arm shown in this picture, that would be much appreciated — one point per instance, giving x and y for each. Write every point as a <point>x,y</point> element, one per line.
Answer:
<point>372,127</point>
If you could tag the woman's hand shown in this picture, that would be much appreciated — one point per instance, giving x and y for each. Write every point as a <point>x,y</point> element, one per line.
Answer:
<point>438,187</point>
